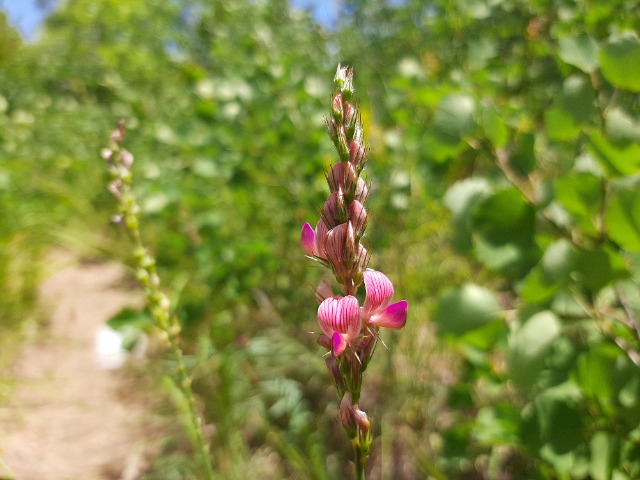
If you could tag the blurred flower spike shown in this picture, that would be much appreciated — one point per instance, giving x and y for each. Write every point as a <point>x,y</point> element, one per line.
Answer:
<point>349,330</point>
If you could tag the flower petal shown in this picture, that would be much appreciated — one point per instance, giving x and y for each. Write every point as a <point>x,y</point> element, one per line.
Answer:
<point>308,240</point>
<point>358,216</point>
<point>336,247</point>
<point>394,316</point>
<point>379,292</point>
<point>339,344</point>
<point>323,291</point>
<point>340,314</point>
<point>343,176</point>
<point>321,238</point>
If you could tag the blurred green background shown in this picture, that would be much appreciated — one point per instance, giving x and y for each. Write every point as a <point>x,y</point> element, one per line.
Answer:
<point>504,206</point>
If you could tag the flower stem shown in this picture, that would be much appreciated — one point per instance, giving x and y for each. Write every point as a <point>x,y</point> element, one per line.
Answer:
<point>360,461</point>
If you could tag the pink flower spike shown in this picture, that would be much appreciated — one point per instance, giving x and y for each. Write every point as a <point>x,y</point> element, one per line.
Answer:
<point>308,240</point>
<point>341,315</point>
<point>393,317</point>
<point>379,292</point>
<point>339,344</point>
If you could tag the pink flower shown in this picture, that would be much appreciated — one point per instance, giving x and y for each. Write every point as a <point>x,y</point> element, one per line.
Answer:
<point>339,319</point>
<point>376,309</point>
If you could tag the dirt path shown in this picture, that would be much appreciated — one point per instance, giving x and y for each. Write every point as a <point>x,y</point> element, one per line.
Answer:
<point>69,419</point>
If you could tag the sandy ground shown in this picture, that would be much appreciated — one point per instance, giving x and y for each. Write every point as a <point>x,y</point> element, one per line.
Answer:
<point>67,418</point>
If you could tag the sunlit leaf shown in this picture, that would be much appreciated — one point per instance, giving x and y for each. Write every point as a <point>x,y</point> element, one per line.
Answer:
<point>620,62</point>
<point>580,51</point>
<point>466,308</point>
<point>622,215</point>
<point>455,116</point>
<point>529,346</point>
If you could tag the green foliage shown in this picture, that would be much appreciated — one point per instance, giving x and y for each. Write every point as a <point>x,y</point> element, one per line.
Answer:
<point>506,131</point>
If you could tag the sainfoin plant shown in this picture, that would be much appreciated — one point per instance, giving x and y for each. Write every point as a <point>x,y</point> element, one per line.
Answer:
<point>350,331</point>
<point>119,162</point>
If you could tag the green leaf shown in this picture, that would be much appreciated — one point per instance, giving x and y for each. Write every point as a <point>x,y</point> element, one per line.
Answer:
<point>466,308</point>
<point>620,126</point>
<point>546,279</point>
<point>605,450</point>
<point>459,199</point>
<point>616,159</point>
<point>523,159</point>
<point>455,116</point>
<point>599,267</point>
<point>529,345</point>
<point>495,126</point>
<point>620,62</point>
<point>505,217</point>
<point>578,98</point>
<point>622,216</point>
<point>608,376</point>
<point>480,52</point>
<point>581,196</point>
<point>560,125</point>
<point>128,317</point>
<point>580,51</point>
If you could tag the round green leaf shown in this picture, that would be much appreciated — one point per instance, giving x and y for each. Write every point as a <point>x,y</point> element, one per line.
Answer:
<point>455,116</point>
<point>466,308</point>
<point>580,51</point>
<point>529,345</point>
<point>621,126</point>
<point>622,216</point>
<point>620,62</point>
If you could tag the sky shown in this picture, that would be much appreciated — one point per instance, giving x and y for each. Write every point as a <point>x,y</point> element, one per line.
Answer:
<point>26,16</point>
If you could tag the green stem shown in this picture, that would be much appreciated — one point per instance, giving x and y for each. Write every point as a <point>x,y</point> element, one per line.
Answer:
<point>360,461</point>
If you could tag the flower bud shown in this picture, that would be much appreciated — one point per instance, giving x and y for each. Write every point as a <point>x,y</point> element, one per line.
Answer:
<point>343,175</point>
<point>344,81</point>
<point>334,210</point>
<point>358,216</point>
<point>357,155</point>
<point>336,108</point>
<point>106,154</point>
<point>347,416</point>
<point>336,251</point>
<point>362,192</point>
<point>350,244</point>
<point>126,157</point>
<point>341,144</point>
<point>334,371</point>
<point>350,119</point>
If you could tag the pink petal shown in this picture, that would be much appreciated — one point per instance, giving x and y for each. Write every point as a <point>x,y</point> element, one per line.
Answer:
<point>339,344</point>
<point>394,316</point>
<point>336,247</point>
<point>361,191</point>
<point>340,314</point>
<point>321,238</point>
<point>334,210</point>
<point>308,240</point>
<point>323,291</point>
<point>342,175</point>
<point>379,291</point>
